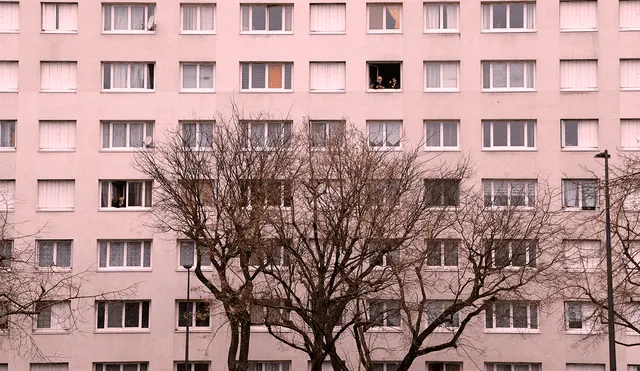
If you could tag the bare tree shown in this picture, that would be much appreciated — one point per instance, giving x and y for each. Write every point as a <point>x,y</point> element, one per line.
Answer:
<point>216,186</point>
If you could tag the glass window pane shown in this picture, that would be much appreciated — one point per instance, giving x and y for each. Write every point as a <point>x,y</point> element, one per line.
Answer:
<point>189,76</point>
<point>516,75</point>
<point>45,253</point>
<point>571,133</point>
<point>258,75</point>
<point>500,129</point>
<point>206,76</point>
<point>135,193</point>
<point>119,135</point>
<point>137,17</point>
<point>433,134</point>
<point>114,315</point>
<point>63,254</point>
<point>136,134</point>
<point>376,134</point>
<point>186,253</point>
<point>116,254</point>
<point>392,17</point>
<point>189,134</point>
<point>450,131</point>
<point>132,314</point>
<point>499,75</point>
<point>258,17</point>
<point>516,15</point>
<point>503,315</point>
<point>375,17</point>
<point>189,17</point>
<point>393,134</point>
<point>206,18</point>
<point>499,15</point>
<point>275,18</point>
<point>120,17</point>
<point>134,254</point>
<point>517,134</point>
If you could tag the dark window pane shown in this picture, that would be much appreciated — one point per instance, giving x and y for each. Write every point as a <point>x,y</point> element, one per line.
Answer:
<point>503,315</point>
<point>258,18</point>
<point>516,15</point>
<point>571,133</point>
<point>183,315</point>
<point>499,15</point>
<point>131,314</point>
<point>500,129</point>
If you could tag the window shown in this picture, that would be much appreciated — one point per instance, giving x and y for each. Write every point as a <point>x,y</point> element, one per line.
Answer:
<point>384,313</point>
<point>198,18</point>
<point>7,134</point>
<point>187,255</point>
<point>520,315</point>
<point>385,76</point>
<point>514,193</point>
<point>385,366</point>
<point>631,201</point>
<point>578,75</point>
<point>327,18</point>
<point>124,255</point>
<point>56,195</point>
<point>630,74</point>
<point>384,134</point>
<point>197,77</point>
<point>441,17</point>
<point>5,309</point>
<point>116,314</point>
<point>8,73</point>
<point>629,134</point>
<point>7,195</point>
<point>441,76</point>
<point>128,76</point>
<point>266,76</point>
<point>141,366</point>
<point>511,253</point>
<point>49,367</point>
<point>197,134</point>
<point>125,193</point>
<point>580,194</point>
<point>442,192</point>
<point>508,16</point>
<point>268,311</point>
<point>385,17</point>
<point>274,193</point>
<point>186,314</point>
<point>578,15</point>
<point>442,252</point>
<point>58,76</point>
<point>508,76</point>
<point>54,253</point>
<point>579,134</point>
<point>60,17</point>
<point>581,254</point>
<point>508,135</point>
<point>384,252</point>
<point>584,367</point>
<point>267,134</point>
<point>276,18</point>
<point>441,135</point>
<point>327,76</point>
<point>440,366</point>
<point>512,366</point>
<point>629,14</point>
<point>57,135</point>
<point>126,135</point>
<point>53,316</point>
<point>6,254</point>
<point>435,310</point>
<point>326,133</point>
<point>269,366</point>
<point>193,366</point>
<point>129,18</point>
<point>580,316</point>
<point>9,17</point>
<point>271,252</point>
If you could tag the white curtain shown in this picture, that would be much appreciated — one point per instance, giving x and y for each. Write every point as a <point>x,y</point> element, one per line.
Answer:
<point>450,134</point>
<point>579,74</point>
<point>58,76</point>
<point>189,76</point>
<point>376,133</point>
<point>7,133</point>
<point>138,18</point>
<point>119,75</point>
<point>630,74</point>
<point>206,76</point>
<point>588,133</point>
<point>7,195</point>
<point>516,75</point>
<point>56,194</point>
<point>49,367</point>
<point>393,134</point>
<point>59,17</point>
<point>206,17</point>
<point>570,193</point>
<point>451,13</point>
<point>630,133</point>
<point>116,254</point>
<point>120,17</point>
<point>134,254</point>
<point>327,76</point>
<point>433,75</point>
<point>530,16</point>
<point>189,17</point>
<point>433,16</point>
<point>119,135</point>
<point>629,14</point>
<point>486,16</point>
<point>9,17</point>
<point>578,15</point>
<point>499,74</point>
<point>137,75</point>
<point>136,134</point>
<point>57,135</point>
<point>8,75</point>
<point>450,75</point>
<point>327,18</point>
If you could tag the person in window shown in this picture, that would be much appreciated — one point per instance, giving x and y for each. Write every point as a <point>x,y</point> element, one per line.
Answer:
<point>118,203</point>
<point>393,84</point>
<point>378,84</point>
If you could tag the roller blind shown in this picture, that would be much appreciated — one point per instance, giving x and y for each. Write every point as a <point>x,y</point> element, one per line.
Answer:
<point>57,135</point>
<point>8,75</point>
<point>56,194</point>
<point>578,15</point>
<point>58,76</point>
<point>327,76</point>
<point>579,75</point>
<point>327,18</point>
<point>9,16</point>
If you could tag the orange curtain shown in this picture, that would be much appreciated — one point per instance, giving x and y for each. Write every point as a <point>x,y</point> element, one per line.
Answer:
<point>275,76</point>
<point>395,14</point>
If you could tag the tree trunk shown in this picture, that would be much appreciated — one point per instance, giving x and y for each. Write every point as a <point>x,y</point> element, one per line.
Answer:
<point>234,328</point>
<point>245,335</point>
<point>317,360</point>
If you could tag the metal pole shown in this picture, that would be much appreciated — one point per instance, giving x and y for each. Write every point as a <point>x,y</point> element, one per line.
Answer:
<point>186,347</point>
<point>610,317</point>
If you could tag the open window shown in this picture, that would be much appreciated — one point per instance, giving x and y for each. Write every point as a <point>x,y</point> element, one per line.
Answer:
<point>385,76</point>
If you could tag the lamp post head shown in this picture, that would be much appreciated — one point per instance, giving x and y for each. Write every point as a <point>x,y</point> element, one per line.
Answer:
<point>604,154</point>
<point>187,266</point>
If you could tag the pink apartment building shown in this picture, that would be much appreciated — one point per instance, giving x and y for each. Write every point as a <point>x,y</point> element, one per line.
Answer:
<point>526,87</point>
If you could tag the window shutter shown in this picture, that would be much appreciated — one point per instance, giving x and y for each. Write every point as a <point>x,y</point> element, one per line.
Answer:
<point>56,194</point>
<point>588,133</point>
<point>9,16</point>
<point>7,195</point>
<point>579,75</point>
<point>327,18</point>
<point>57,135</point>
<point>578,15</point>
<point>8,75</point>
<point>61,318</point>
<point>49,17</point>
<point>327,76</point>
<point>630,74</point>
<point>69,17</point>
<point>58,76</point>
<point>630,133</point>
<point>629,14</point>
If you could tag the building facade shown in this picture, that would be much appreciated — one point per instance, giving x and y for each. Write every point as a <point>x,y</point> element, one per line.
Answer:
<point>527,88</point>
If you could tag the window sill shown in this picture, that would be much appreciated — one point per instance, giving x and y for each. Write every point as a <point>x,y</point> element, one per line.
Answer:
<point>10,31</point>
<point>327,91</point>
<point>630,89</point>
<point>50,332</point>
<point>517,208</point>
<point>7,149</point>
<point>633,29</point>
<point>122,331</point>
<point>56,150</point>
<point>9,91</point>
<point>622,149</point>
<point>383,32</point>
<point>124,149</point>
<point>445,330</point>
<point>442,32</point>
<point>204,269</point>
<point>578,209</point>
<point>121,91</point>
<point>264,329</point>
<point>442,149</point>
<point>581,332</point>
<point>192,329</point>
<point>197,91</point>
<point>508,149</point>
<point>511,331</point>
<point>434,268</point>
<point>390,149</point>
<point>571,30</point>
<point>62,32</point>
<point>269,91</point>
<point>266,32</point>
<point>54,269</point>
<point>327,32</point>
<point>55,210</point>
<point>59,91</point>
<point>386,90</point>
<point>123,32</point>
<point>508,30</point>
<point>590,90</point>
<point>578,149</point>
<point>124,209</point>
<point>443,90</point>
<point>381,329</point>
<point>580,270</point>
<point>207,32</point>
<point>508,90</point>
<point>122,270</point>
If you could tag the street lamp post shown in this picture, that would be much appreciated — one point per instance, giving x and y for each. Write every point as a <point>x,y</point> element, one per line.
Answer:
<point>612,333</point>
<point>186,342</point>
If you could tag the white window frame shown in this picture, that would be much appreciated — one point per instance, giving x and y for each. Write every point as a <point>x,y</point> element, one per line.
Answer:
<point>282,365</point>
<point>54,265</point>
<point>284,137</point>
<point>580,184</point>
<point>250,29</point>
<point>146,125</point>
<point>384,18</point>
<point>49,366</point>
<point>493,366</point>
<point>11,124</point>
<point>12,4</point>
<point>6,250</point>
<point>562,8</point>
<point>384,365</point>
<point>441,134</point>
<point>444,366</point>
<point>148,83</point>
<point>267,89</point>
<point>179,365</point>
<point>527,65</point>
<point>149,11</point>
<point>630,123</point>
<point>530,261</point>
<point>581,255</point>
<point>527,8</point>
<point>198,30</point>
<point>509,182</point>
<point>330,127</point>
<point>439,306</point>
<point>581,123</point>
<point>441,87</point>
<point>385,315</point>
<point>191,245</point>
<point>371,64</point>
<point>285,199</point>
<point>259,326</point>
<point>588,320</point>
<point>146,184</point>
<point>198,139</point>
<point>442,10</point>
<point>102,366</point>
<point>442,244</point>
<point>385,145</point>
<point>138,328</point>
<point>7,195</point>
<point>62,317</point>
<point>339,32</point>
<point>625,25</point>
<point>145,248</point>
<point>56,5</point>
<point>343,83</point>
<point>192,326</point>
<point>198,66</point>
<point>595,88</point>
<point>11,68</point>
<point>531,306</point>
<point>509,146</point>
